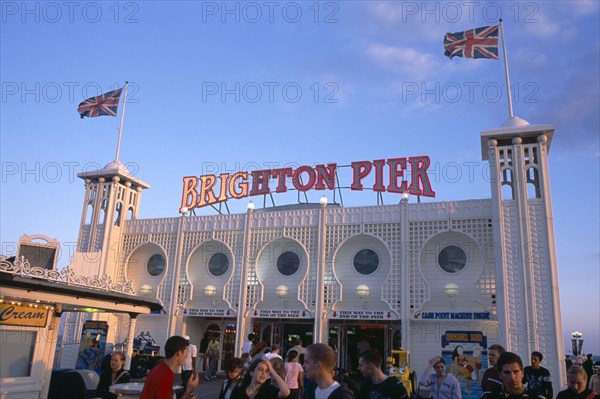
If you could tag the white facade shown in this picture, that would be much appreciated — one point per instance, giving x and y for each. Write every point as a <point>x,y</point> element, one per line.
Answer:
<point>499,285</point>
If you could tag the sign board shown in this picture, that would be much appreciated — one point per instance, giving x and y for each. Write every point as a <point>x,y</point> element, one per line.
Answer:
<point>205,312</point>
<point>362,315</point>
<point>464,337</point>
<point>18,315</point>
<point>452,316</point>
<point>92,346</point>
<point>281,314</point>
<point>389,177</point>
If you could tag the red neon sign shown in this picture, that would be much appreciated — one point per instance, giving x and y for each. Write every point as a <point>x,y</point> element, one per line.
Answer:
<point>204,190</point>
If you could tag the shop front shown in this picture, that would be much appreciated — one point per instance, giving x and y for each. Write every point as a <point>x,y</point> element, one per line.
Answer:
<point>32,301</point>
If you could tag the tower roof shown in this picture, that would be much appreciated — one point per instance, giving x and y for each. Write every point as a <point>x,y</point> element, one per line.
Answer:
<point>115,168</point>
<point>515,127</point>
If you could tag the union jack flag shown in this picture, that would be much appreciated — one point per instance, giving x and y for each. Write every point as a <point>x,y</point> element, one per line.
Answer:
<point>473,43</point>
<point>105,104</point>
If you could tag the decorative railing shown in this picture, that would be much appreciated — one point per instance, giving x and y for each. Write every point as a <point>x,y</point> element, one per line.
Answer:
<point>21,267</point>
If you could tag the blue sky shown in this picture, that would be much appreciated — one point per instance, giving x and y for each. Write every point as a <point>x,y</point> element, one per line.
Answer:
<point>221,86</point>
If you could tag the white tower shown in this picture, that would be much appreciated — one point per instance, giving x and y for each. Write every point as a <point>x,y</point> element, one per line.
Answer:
<point>112,195</point>
<point>526,268</point>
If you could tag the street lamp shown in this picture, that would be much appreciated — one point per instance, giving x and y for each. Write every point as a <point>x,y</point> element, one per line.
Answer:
<point>210,291</point>
<point>282,292</point>
<point>362,291</point>
<point>323,201</point>
<point>146,289</point>
<point>577,342</point>
<point>405,196</point>
<point>452,291</point>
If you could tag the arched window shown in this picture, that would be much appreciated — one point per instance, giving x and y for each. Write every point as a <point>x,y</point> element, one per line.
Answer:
<point>118,212</point>
<point>89,212</point>
<point>533,183</point>
<point>507,185</point>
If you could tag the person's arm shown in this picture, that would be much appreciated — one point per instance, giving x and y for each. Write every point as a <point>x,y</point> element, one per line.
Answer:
<point>194,355</point>
<point>301,378</point>
<point>103,384</point>
<point>400,391</point>
<point>455,387</point>
<point>595,383</point>
<point>284,390</point>
<point>548,383</point>
<point>191,385</point>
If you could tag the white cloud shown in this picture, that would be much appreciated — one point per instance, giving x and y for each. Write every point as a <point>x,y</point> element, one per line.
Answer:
<point>585,7</point>
<point>410,62</point>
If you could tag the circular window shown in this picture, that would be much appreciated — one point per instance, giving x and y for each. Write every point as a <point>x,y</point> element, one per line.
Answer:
<point>366,261</point>
<point>156,265</point>
<point>288,263</point>
<point>218,264</point>
<point>452,259</point>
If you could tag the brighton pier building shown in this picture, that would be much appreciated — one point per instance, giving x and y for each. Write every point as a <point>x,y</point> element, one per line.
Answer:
<point>431,278</point>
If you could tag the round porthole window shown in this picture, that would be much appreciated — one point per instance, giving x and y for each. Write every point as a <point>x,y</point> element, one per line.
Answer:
<point>218,264</point>
<point>452,259</point>
<point>156,265</point>
<point>288,263</point>
<point>366,261</point>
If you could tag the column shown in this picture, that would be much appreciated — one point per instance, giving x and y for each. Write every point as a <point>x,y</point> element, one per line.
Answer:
<point>130,336</point>
<point>171,315</point>
<point>242,320</point>
<point>321,323</point>
<point>405,256</point>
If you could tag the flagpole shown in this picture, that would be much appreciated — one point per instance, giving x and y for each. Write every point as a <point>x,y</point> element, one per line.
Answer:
<point>121,124</point>
<point>509,95</point>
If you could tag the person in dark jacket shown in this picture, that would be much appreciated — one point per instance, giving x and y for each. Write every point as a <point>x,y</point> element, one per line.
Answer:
<point>537,377</point>
<point>234,370</point>
<point>510,367</point>
<point>588,366</point>
<point>491,378</point>
<point>319,363</point>
<point>577,383</point>
<point>202,359</point>
<point>113,374</point>
<point>376,384</point>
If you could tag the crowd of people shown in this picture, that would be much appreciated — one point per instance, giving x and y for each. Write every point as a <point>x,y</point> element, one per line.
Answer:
<point>312,373</point>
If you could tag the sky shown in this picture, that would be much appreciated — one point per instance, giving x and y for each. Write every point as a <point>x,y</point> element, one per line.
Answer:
<point>226,86</point>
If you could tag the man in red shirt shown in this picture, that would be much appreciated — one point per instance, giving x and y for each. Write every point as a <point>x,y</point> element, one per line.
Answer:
<point>159,384</point>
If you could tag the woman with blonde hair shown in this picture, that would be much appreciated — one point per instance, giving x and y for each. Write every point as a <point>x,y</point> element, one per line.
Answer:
<point>577,382</point>
<point>439,384</point>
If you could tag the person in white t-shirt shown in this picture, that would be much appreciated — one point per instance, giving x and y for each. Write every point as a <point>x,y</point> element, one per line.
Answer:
<point>319,363</point>
<point>247,347</point>
<point>189,362</point>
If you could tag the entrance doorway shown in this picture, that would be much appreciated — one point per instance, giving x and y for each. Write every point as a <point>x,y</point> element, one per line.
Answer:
<point>350,339</point>
<point>285,333</point>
